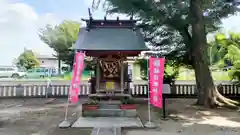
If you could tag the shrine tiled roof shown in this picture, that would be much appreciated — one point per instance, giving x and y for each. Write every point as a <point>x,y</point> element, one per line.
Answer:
<point>110,39</point>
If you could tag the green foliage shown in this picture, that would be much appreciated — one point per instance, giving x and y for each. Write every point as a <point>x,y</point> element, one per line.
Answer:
<point>231,48</point>
<point>213,53</point>
<point>90,63</point>
<point>61,39</point>
<point>143,63</point>
<point>27,60</point>
<point>171,71</point>
<point>166,24</point>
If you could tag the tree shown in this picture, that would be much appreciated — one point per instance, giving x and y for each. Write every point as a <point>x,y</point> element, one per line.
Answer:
<point>27,60</point>
<point>171,71</point>
<point>61,39</point>
<point>234,56</point>
<point>90,63</point>
<point>215,54</point>
<point>181,26</point>
<point>231,47</point>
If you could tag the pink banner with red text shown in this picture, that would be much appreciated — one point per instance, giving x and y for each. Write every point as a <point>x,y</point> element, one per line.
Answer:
<point>76,77</point>
<point>156,74</point>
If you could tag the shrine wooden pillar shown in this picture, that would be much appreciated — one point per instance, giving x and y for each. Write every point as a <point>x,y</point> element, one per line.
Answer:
<point>122,77</point>
<point>98,77</point>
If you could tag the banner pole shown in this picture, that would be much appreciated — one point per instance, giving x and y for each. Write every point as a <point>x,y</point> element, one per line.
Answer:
<point>66,110</point>
<point>67,105</point>
<point>149,124</point>
<point>149,107</point>
<point>66,123</point>
<point>47,88</point>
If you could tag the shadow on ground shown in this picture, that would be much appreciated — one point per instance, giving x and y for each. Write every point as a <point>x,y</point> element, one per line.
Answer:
<point>185,118</point>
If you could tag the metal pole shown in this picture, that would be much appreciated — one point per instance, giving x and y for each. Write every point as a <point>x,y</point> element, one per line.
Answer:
<point>149,124</point>
<point>66,108</point>
<point>149,107</point>
<point>164,106</point>
<point>48,84</point>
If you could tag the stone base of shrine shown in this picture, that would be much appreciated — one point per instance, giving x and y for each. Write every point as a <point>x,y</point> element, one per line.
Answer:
<point>109,109</point>
<point>109,96</point>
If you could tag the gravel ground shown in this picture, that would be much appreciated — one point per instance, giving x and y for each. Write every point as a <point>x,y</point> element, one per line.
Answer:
<point>38,117</point>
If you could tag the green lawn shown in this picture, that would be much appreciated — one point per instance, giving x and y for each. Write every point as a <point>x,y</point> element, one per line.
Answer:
<point>68,76</point>
<point>190,75</point>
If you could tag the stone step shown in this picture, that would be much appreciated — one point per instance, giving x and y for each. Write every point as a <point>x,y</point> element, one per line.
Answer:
<point>108,106</point>
<point>106,122</point>
<point>117,91</point>
<point>110,102</point>
<point>109,95</point>
<point>109,113</point>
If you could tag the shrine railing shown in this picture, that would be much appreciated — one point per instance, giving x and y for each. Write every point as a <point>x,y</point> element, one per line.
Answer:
<point>138,90</point>
<point>188,90</point>
<point>39,90</point>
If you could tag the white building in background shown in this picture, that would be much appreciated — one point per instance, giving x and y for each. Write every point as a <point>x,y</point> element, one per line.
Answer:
<point>48,60</point>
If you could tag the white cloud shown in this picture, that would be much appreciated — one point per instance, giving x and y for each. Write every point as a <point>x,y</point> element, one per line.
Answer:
<point>18,29</point>
<point>100,13</point>
<point>19,24</point>
<point>232,23</point>
<point>87,3</point>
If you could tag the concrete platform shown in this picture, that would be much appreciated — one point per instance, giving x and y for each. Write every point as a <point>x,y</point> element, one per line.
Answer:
<point>101,122</point>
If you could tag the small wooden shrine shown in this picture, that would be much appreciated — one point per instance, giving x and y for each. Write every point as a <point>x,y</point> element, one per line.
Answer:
<point>111,42</point>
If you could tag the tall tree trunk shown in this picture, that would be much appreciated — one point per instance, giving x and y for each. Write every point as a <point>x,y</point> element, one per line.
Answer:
<point>204,79</point>
<point>208,95</point>
<point>59,65</point>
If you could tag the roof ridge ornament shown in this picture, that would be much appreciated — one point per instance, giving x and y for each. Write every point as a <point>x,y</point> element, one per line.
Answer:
<point>105,23</point>
<point>89,24</point>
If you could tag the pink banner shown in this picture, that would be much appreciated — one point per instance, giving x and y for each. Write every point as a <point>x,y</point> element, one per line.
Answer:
<point>156,69</point>
<point>76,77</point>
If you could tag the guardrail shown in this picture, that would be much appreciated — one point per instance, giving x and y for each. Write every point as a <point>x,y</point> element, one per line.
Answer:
<point>138,90</point>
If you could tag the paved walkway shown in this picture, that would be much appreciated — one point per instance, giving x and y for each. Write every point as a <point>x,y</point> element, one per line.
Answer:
<point>169,133</point>
<point>107,125</point>
<point>106,131</point>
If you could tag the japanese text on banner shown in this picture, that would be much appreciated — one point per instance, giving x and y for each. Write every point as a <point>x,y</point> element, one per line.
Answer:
<point>156,74</point>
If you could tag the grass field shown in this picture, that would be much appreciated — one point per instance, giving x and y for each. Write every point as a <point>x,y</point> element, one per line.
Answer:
<point>190,75</point>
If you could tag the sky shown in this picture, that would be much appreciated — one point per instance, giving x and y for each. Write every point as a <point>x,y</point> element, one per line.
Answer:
<point>21,19</point>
